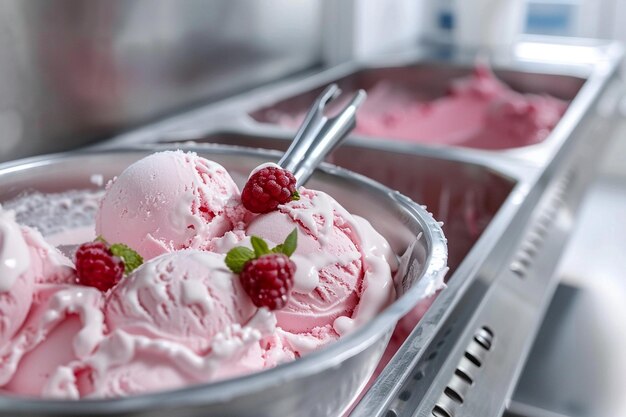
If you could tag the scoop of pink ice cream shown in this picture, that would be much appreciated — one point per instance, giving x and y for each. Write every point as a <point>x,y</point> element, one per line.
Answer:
<point>126,364</point>
<point>37,365</point>
<point>187,296</point>
<point>65,323</point>
<point>169,201</point>
<point>46,321</point>
<point>327,259</point>
<point>48,264</point>
<point>25,260</point>
<point>16,277</point>
<point>342,268</point>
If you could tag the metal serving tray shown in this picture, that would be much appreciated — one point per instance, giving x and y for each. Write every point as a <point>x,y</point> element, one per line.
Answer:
<point>465,355</point>
<point>576,71</point>
<point>336,374</point>
<point>422,81</point>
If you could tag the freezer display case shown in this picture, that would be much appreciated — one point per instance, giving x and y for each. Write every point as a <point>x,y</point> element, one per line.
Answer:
<point>507,211</point>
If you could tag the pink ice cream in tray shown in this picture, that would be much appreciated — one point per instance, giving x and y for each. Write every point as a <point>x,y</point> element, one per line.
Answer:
<point>474,111</point>
<point>171,288</point>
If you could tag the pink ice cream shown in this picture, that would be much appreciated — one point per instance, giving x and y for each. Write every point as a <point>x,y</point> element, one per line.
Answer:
<point>169,201</point>
<point>182,317</point>
<point>328,261</point>
<point>186,296</point>
<point>54,321</point>
<point>478,112</point>
<point>25,261</point>
<point>65,323</point>
<point>17,280</point>
<point>343,276</point>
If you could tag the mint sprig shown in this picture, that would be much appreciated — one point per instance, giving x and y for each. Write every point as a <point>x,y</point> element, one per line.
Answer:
<point>237,257</point>
<point>260,246</point>
<point>132,260</point>
<point>288,247</point>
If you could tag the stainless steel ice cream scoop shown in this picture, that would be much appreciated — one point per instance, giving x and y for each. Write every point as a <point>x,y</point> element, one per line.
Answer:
<point>319,134</point>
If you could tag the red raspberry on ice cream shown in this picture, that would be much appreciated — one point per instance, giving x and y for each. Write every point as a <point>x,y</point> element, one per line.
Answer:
<point>102,266</point>
<point>97,267</point>
<point>268,280</point>
<point>267,188</point>
<point>266,274</point>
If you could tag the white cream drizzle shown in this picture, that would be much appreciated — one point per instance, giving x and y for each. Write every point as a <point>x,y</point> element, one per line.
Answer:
<point>56,267</point>
<point>14,256</point>
<point>82,301</point>
<point>306,278</point>
<point>215,193</point>
<point>377,286</point>
<point>121,348</point>
<point>155,277</point>
<point>195,293</point>
<point>378,289</point>
<point>322,210</point>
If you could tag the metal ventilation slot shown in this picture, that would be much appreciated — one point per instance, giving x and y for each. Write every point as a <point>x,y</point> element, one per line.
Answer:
<point>529,248</point>
<point>440,412</point>
<point>463,376</point>
<point>473,359</point>
<point>484,337</point>
<point>402,403</point>
<point>462,380</point>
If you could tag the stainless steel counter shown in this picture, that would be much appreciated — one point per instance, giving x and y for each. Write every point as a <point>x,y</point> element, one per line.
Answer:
<point>577,367</point>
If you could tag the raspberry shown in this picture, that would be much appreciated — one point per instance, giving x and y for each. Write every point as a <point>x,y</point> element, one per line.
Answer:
<point>268,280</point>
<point>267,188</point>
<point>97,267</point>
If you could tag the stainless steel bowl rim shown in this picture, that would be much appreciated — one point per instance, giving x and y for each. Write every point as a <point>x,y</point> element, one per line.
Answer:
<point>329,356</point>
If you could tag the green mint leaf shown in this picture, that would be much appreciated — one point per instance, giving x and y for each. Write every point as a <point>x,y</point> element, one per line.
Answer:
<point>260,246</point>
<point>237,257</point>
<point>295,196</point>
<point>288,247</point>
<point>290,244</point>
<point>132,260</point>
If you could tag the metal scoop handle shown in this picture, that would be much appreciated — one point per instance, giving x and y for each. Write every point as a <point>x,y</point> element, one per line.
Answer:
<point>318,134</point>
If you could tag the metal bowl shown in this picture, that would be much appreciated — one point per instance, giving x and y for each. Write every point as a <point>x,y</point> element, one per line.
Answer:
<point>322,383</point>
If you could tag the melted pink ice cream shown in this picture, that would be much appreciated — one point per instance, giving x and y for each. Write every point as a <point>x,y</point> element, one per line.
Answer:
<point>477,112</point>
<point>182,317</point>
